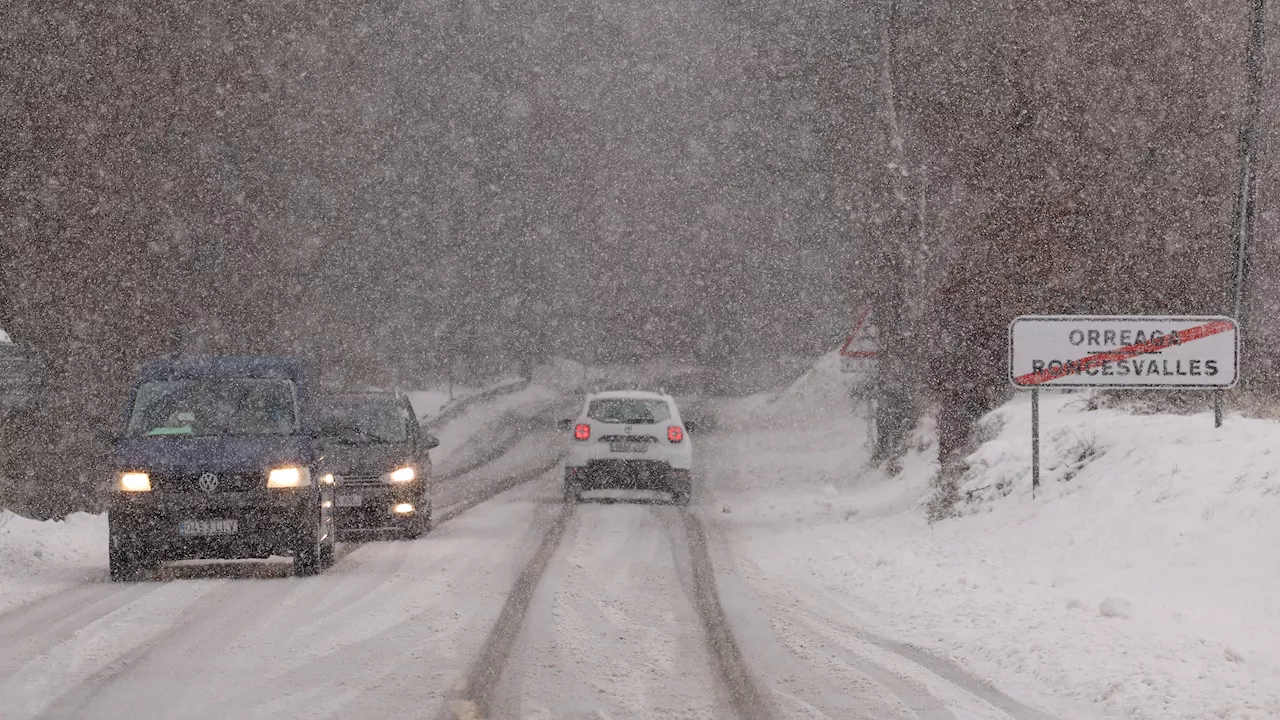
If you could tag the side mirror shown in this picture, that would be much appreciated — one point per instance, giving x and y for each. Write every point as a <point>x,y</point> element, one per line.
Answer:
<point>691,426</point>
<point>565,425</point>
<point>430,442</point>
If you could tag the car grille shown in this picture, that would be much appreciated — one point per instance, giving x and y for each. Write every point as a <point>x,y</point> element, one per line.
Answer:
<point>629,438</point>
<point>190,482</point>
<point>358,480</point>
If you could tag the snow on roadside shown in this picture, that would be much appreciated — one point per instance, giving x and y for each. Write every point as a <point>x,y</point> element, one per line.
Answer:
<point>37,558</point>
<point>476,428</point>
<point>1141,582</point>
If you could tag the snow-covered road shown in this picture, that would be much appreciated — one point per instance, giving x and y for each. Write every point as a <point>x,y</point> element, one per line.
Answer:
<point>385,633</point>
<point>630,609</point>
<point>612,630</point>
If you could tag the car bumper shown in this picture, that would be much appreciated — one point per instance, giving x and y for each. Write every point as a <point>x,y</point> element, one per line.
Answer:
<point>628,475</point>
<point>377,507</point>
<point>595,454</point>
<point>267,523</point>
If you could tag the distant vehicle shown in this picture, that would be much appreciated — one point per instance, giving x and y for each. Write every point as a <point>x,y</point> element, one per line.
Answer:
<point>629,439</point>
<point>219,459</point>
<point>380,462</point>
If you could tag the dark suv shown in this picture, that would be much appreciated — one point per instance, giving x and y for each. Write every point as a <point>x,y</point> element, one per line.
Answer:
<point>380,463</point>
<point>219,460</point>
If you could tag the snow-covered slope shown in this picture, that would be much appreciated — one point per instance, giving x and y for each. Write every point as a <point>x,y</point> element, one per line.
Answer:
<point>1141,582</point>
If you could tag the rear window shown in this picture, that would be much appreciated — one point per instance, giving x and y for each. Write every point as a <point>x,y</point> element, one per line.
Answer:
<point>629,411</point>
<point>213,407</point>
<point>355,421</point>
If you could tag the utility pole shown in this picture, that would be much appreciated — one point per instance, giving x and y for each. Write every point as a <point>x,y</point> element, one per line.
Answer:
<point>1245,214</point>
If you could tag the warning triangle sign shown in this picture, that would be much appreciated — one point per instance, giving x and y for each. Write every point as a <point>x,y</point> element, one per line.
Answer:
<point>863,340</point>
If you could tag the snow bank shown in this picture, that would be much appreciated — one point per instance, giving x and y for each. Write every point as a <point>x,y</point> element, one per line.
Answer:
<point>1140,583</point>
<point>429,404</point>
<point>38,557</point>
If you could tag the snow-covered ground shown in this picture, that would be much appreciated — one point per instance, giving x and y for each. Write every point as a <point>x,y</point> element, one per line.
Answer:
<point>386,632</point>
<point>427,404</point>
<point>38,558</point>
<point>1141,582</point>
<point>611,632</point>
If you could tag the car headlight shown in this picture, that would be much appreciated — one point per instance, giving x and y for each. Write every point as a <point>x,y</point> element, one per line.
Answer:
<point>289,477</point>
<point>403,475</point>
<point>135,482</point>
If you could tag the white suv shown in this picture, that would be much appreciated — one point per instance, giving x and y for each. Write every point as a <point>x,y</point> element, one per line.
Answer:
<point>629,440</point>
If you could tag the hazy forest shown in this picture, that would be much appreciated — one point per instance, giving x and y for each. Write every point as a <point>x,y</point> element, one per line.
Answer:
<point>394,186</point>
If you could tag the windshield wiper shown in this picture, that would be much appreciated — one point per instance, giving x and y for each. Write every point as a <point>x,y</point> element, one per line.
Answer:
<point>365,433</point>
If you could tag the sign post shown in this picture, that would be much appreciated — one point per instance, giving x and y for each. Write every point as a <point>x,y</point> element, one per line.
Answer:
<point>1121,352</point>
<point>1035,440</point>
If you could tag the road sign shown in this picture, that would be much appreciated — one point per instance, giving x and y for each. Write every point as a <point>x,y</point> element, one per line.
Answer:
<point>15,377</point>
<point>1124,351</point>
<point>860,346</point>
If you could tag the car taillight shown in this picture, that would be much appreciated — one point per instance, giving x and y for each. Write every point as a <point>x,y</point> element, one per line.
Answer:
<point>675,433</point>
<point>582,432</point>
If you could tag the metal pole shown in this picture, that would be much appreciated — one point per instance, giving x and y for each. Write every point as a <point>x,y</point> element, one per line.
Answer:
<point>1245,200</point>
<point>1035,440</point>
<point>1217,408</point>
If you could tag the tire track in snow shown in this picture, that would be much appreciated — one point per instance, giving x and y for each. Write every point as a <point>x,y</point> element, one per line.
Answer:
<point>883,678</point>
<point>475,691</point>
<point>35,628</point>
<point>735,676</point>
<point>611,632</point>
<point>201,626</point>
<point>494,489</point>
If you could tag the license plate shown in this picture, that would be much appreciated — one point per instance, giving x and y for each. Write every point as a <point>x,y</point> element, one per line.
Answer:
<point>350,500</point>
<point>208,527</point>
<point>628,447</point>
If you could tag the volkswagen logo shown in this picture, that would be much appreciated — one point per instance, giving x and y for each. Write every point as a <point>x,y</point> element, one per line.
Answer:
<point>208,482</point>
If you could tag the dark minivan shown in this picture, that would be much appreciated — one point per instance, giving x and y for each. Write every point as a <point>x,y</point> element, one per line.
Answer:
<point>219,459</point>
<point>379,458</point>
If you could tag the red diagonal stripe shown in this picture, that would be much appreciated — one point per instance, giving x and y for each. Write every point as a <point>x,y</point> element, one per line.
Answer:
<point>1177,337</point>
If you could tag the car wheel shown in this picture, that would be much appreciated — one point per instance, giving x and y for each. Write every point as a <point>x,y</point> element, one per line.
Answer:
<point>308,553</point>
<point>127,560</point>
<point>572,493</point>
<point>329,551</point>
<point>419,526</point>
<point>125,565</point>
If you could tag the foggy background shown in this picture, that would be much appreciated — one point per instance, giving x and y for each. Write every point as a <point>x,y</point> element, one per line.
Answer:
<point>395,186</point>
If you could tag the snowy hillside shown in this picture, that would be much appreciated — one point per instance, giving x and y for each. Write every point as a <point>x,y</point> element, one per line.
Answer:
<point>1140,583</point>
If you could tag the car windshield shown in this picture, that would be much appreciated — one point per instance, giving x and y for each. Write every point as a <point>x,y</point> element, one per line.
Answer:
<point>629,411</point>
<point>355,421</point>
<point>214,406</point>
